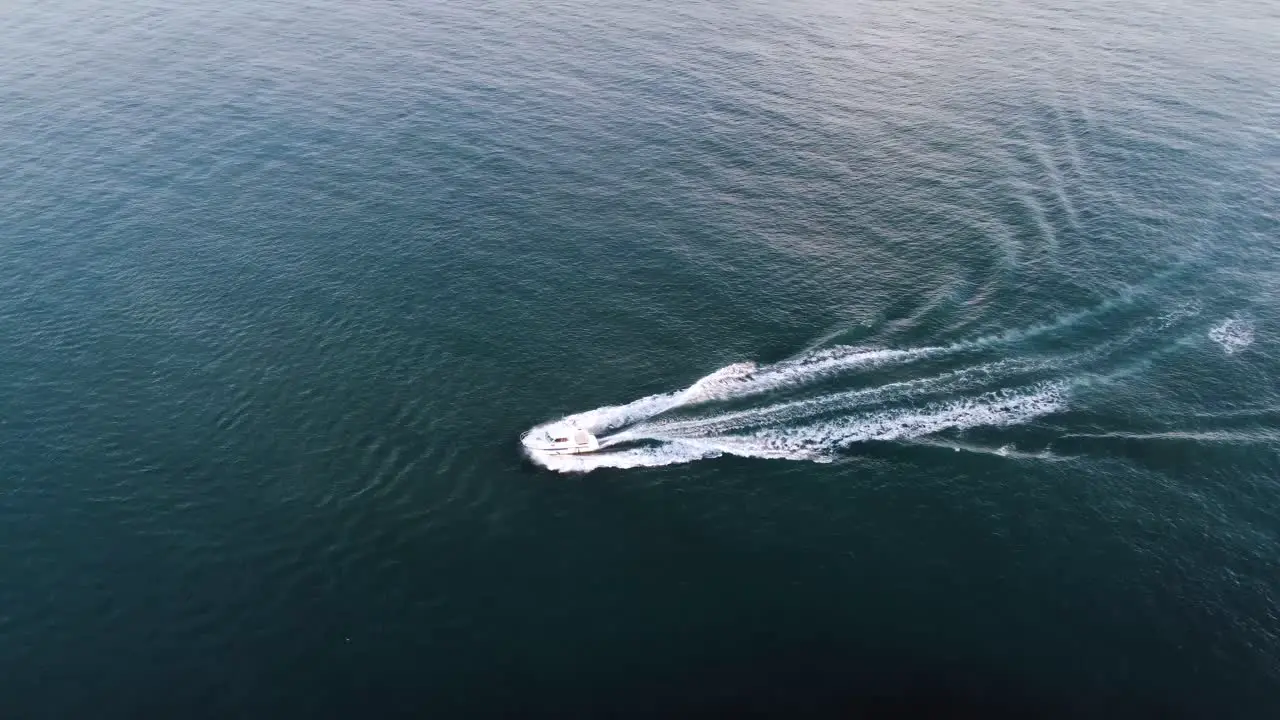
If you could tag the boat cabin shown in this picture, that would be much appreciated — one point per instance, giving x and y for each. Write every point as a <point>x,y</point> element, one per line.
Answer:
<point>561,441</point>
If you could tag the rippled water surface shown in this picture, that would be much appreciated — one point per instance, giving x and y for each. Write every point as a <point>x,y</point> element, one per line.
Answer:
<point>934,348</point>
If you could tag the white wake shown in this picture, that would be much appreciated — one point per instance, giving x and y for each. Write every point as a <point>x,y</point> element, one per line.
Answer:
<point>643,433</point>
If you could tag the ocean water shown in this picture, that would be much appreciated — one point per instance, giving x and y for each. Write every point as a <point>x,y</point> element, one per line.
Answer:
<point>934,347</point>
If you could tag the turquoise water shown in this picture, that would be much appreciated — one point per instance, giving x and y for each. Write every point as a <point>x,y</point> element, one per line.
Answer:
<point>934,349</point>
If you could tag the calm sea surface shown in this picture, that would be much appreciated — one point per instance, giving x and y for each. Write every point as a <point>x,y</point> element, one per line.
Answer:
<point>935,347</point>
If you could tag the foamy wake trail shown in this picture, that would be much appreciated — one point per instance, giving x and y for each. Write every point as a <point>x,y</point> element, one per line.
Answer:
<point>815,428</point>
<point>820,441</point>
<point>741,380</point>
<point>966,379</point>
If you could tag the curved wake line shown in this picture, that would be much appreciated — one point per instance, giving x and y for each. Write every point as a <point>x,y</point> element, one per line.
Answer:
<point>956,380</point>
<point>1231,437</point>
<point>743,380</point>
<point>746,379</point>
<point>814,429</point>
<point>821,441</point>
<point>821,401</point>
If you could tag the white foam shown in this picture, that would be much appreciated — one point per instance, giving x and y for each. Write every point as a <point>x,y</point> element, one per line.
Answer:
<point>814,428</point>
<point>740,380</point>
<point>1233,335</point>
<point>747,379</point>
<point>819,441</point>
<point>666,454</point>
<point>949,382</point>
<point>802,429</point>
<point>822,438</point>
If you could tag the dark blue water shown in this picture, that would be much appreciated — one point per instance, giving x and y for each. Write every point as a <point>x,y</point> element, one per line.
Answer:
<point>934,347</point>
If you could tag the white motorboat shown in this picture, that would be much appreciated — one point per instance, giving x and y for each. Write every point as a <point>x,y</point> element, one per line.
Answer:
<point>560,440</point>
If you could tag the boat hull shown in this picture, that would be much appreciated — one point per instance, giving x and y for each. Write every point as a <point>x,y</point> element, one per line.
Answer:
<point>575,442</point>
<point>562,451</point>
